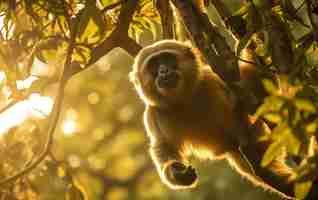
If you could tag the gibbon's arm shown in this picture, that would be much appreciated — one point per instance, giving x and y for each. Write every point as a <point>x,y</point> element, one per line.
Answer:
<point>168,160</point>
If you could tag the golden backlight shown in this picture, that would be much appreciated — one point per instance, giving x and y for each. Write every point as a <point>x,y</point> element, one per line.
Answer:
<point>36,106</point>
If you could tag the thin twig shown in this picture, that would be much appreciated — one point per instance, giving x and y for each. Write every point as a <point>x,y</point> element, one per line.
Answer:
<point>112,6</point>
<point>300,6</point>
<point>246,61</point>
<point>54,116</point>
<point>12,103</point>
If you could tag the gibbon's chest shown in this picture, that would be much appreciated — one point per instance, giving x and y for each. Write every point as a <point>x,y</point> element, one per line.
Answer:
<point>197,130</point>
<point>204,118</point>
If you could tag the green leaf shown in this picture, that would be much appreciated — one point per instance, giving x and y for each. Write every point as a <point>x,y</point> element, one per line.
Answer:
<point>46,54</point>
<point>270,86</point>
<point>92,25</point>
<point>305,105</point>
<point>243,10</point>
<point>243,43</point>
<point>39,85</point>
<point>3,6</point>
<point>105,3</point>
<point>272,152</point>
<point>277,132</point>
<point>47,49</point>
<point>311,127</point>
<point>271,104</point>
<point>292,142</point>
<point>301,189</point>
<point>75,192</point>
<point>81,54</point>
<point>273,117</point>
<point>151,25</point>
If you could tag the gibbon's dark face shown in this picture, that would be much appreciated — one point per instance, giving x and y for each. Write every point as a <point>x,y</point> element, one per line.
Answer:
<point>164,73</point>
<point>163,68</point>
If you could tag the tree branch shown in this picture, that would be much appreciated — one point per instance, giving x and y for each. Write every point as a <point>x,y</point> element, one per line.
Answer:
<point>54,117</point>
<point>222,9</point>
<point>12,103</point>
<point>166,16</point>
<point>118,38</point>
<point>212,45</point>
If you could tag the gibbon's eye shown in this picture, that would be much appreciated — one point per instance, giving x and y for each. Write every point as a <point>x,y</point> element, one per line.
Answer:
<point>168,60</point>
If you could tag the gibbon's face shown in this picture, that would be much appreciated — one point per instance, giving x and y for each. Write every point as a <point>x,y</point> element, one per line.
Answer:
<point>165,72</point>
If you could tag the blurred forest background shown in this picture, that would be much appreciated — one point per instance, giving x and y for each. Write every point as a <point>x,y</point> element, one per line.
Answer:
<point>98,150</point>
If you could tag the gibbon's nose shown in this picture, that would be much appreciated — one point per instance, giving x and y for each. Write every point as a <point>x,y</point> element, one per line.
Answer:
<point>167,78</point>
<point>163,70</point>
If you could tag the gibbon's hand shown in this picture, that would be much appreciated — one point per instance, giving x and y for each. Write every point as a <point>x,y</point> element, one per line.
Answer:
<point>180,174</point>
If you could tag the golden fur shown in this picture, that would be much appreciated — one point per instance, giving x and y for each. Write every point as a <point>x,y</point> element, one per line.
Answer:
<point>198,116</point>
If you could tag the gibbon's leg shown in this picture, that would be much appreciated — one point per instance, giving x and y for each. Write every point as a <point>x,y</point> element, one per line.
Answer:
<point>245,168</point>
<point>276,173</point>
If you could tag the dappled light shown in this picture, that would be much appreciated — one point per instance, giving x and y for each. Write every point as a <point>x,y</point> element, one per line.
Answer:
<point>26,83</point>
<point>2,76</point>
<point>13,116</point>
<point>35,106</point>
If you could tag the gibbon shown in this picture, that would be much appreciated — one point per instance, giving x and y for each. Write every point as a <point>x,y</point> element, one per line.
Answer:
<point>189,109</point>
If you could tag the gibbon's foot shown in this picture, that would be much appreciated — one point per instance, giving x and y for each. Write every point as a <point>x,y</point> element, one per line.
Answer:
<point>180,175</point>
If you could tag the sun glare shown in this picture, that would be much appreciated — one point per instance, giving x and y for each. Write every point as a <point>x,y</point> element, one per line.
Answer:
<point>35,106</point>
<point>40,106</point>
<point>12,117</point>
<point>26,83</point>
<point>6,31</point>
<point>2,76</point>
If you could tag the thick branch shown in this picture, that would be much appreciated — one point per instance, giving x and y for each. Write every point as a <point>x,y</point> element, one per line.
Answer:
<point>166,16</point>
<point>208,40</point>
<point>222,9</point>
<point>118,38</point>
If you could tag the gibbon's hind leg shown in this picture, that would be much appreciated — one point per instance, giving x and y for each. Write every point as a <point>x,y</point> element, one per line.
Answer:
<point>242,166</point>
<point>276,173</point>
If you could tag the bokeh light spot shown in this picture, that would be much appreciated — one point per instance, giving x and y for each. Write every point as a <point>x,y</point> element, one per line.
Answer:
<point>93,98</point>
<point>69,127</point>
<point>74,161</point>
<point>2,76</point>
